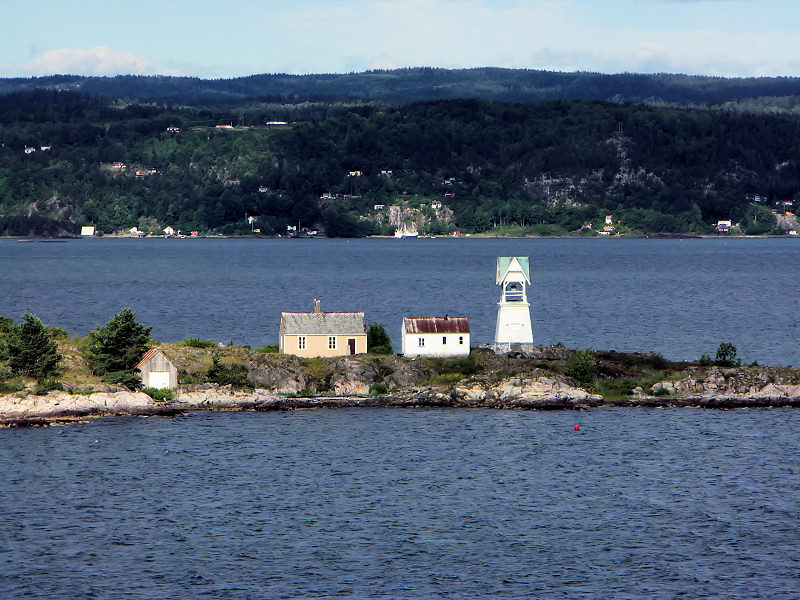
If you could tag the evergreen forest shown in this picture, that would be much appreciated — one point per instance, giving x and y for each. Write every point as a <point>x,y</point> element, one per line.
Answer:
<point>267,167</point>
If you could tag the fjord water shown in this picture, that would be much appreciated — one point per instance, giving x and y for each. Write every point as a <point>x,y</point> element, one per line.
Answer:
<point>392,503</point>
<point>677,297</point>
<point>381,503</point>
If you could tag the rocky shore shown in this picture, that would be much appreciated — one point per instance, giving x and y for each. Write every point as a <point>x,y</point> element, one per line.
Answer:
<point>751,387</point>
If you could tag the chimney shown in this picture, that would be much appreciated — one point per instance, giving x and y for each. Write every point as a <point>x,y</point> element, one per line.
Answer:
<point>317,306</point>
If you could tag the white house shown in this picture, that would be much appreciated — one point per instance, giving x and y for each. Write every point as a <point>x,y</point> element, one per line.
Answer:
<point>169,231</point>
<point>435,336</point>
<point>87,230</point>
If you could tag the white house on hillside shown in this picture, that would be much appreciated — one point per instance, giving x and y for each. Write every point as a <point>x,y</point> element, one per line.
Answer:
<point>435,336</point>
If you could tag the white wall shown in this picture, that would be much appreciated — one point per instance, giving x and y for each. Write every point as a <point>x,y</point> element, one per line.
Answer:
<point>434,344</point>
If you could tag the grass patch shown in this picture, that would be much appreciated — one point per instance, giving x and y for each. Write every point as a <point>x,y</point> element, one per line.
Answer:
<point>268,349</point>
<point>444,379</point>
<point>315,368</point>
<point>197,343</point>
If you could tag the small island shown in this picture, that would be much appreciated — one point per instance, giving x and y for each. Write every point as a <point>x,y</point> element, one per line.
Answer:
<point>215,377</point>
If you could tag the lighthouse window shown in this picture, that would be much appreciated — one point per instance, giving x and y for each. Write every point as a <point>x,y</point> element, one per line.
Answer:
<point>513,292</point>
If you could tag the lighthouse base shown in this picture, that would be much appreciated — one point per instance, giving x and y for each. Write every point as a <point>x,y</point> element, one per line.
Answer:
<point>513,324</point>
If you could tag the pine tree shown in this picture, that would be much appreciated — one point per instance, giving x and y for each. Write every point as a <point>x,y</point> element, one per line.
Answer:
<point>116,347</point>
<point>378,341</point>
<point>32,352</point>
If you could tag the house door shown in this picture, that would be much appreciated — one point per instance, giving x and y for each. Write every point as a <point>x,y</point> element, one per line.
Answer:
<point>351,344</point>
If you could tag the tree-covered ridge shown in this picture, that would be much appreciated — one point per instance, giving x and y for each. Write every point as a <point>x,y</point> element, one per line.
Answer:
<point>68,160</point>
<point>424,83</point>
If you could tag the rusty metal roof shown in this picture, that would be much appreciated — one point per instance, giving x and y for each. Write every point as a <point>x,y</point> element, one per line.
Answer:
<point>436,325</point>
<point>147,357</point>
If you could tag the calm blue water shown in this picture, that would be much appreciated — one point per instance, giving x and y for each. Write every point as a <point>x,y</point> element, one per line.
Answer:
<point>394,504</point>
<point>677,297</point>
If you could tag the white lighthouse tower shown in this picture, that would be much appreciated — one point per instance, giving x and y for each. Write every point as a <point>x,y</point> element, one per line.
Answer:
<point>513,312</point>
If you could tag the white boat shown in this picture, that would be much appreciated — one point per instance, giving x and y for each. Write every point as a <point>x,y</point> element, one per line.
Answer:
<point>406,231</point>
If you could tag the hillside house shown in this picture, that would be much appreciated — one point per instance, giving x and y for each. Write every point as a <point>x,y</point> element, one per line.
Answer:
<point>157,371</point>
<point>435,336</point>
<point>317,333</point>
<point>169,231</point>
<point>87,230</point>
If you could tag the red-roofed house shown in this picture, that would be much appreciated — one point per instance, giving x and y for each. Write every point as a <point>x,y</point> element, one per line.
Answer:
<point>435,336</point>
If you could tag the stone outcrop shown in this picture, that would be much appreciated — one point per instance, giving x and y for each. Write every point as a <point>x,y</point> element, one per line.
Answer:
<point>728,388</point>
<point>278,378</point>
<point>541,392</point>
<point>353,376</point>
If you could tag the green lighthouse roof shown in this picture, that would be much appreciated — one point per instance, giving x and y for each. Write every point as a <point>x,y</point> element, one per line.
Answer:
<point>513,263</point>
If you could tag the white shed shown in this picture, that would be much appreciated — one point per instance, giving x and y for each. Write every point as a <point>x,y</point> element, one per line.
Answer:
<point>435,336</point>
<point>157,371</point>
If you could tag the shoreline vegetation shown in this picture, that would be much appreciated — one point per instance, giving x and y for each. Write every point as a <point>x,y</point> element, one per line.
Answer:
<point>214,377</point>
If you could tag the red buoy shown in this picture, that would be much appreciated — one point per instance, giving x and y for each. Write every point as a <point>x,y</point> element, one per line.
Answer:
<point>577,428</point>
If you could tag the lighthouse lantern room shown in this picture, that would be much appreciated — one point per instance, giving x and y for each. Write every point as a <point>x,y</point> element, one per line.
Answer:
<point>513,312</point>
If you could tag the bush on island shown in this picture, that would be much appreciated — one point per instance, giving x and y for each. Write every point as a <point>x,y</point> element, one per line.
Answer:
<point>31,350</point>
<point>116,347</point>
<point>378,341</point>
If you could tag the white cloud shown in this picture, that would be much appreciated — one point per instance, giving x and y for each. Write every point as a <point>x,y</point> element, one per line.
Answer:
<point>92,61</point>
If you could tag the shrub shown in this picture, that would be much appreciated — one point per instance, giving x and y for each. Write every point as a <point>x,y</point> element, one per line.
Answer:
<point>127,379</point>
<point>10,386</point>
<point>581,366</point>
<point>48,384</point>
<point>268,349</point>
<point>726,354</point>
<point>31,350</point>
<point>378,341</point>
<point>377,389</point>
<point>465,365</point>
<point>118,345</point>
<point>57,333</point>
<point>197,343</point>
<point>234,375</point>
<point>159,394</point>
<point>6,323</point>
<point>705,359</point>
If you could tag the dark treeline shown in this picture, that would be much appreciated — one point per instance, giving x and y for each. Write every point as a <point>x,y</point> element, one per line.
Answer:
<point>547,166</point>
<point>415,84</point>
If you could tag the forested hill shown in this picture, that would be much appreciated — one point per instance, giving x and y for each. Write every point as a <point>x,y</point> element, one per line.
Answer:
<point>69,159</point>
<point>406,85</point>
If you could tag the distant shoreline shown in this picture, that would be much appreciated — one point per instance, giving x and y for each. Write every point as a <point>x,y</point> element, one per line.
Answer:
<point>651,236</point>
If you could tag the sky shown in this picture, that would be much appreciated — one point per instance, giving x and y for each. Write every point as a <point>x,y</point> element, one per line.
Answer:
<point>212,39</point>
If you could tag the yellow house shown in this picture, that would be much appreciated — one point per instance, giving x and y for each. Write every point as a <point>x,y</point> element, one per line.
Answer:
<point>318,333</point>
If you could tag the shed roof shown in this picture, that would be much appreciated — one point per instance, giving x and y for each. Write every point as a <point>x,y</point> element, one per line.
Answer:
<point>148,356</point>
<point>436,325</point>
<point>513,263</point>
<point>323,323</point>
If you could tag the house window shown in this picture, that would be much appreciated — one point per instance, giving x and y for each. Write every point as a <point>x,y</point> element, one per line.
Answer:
<point>421,342</point>
<point>461,340</point>
<point>331,342</point>
<point>444,340</point>
<point>301,342</point>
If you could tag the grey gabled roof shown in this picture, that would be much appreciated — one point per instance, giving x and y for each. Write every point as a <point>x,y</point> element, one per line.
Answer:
<point>323,323</point>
